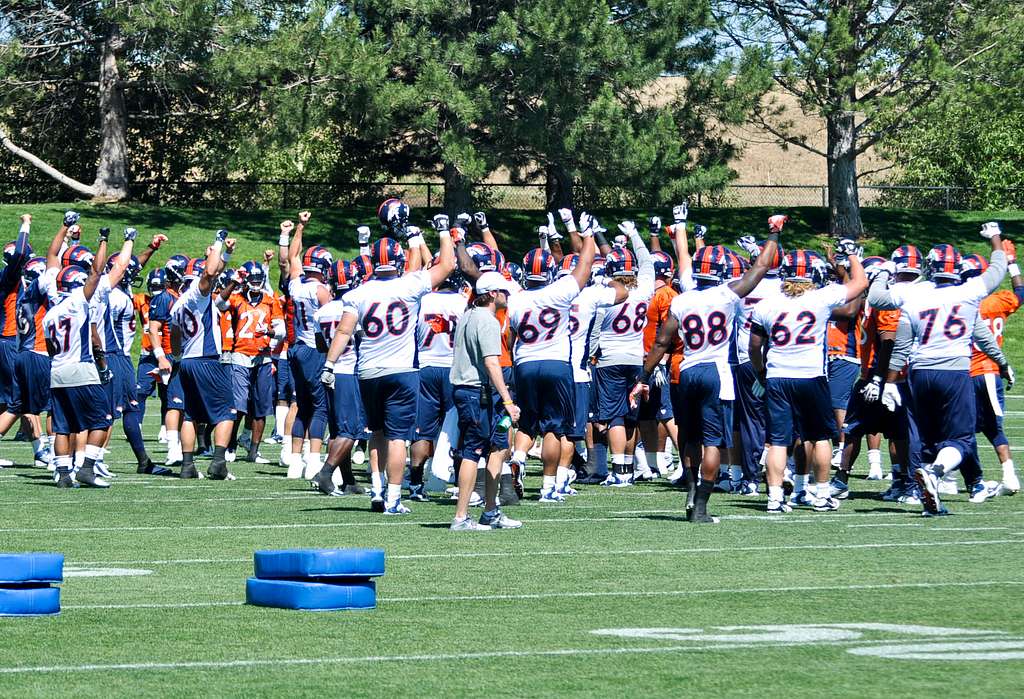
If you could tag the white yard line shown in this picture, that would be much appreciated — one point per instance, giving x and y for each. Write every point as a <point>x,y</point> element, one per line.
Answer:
<point>590,594</point>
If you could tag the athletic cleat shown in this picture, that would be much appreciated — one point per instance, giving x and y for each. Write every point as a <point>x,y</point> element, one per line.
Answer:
<point>825,504</point>
<point>778,507</point>
<point>801,499</point>
<point>929,491</point>
<point>102,471</point>
<point>567,491</point>
<point>702,518</point>
<point>838,490</point>
<point>948,487</point>
<point>551,496</point>
<point>507,491</point>
<point>325,485</point>
<point>468,525</point>
<point>475,499</point>
<point>274,439</point>
<point>746,488</point>
<point>571,478</point>
<point>941,513</point>
<point>499,521</point>
<point>647,475</point>
<point>397,509</point>
<point>87,476</point>
<point>983,490</point>
<point>894,493</point>
<point>875,473</point>
<point>518,471</point>
<point>64,481</point>
<point>188,472</point>
<point>151,469</point>
<point>295,466</point>
<point>376,503</point>
<point>418,493</point>
<point>42,459</point>
<point>837,457</point>
<point>257,458</point>
<point>911,495</point>
<point>618,480</point>
<point>218,472</point>
<point>353,489</point>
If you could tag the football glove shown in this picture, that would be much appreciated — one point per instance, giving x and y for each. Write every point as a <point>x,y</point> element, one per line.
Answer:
<point>891,398</point>
<point>654,226</point>
<point>553,234</point>
<point>748,244</point>
<point>699,232</point>
<point>71,218</point>
<point>222,235</point>
<point>847,247</point>
<point>480,219</point>
<point>1006,371</point>
<point>106,375</point>
<point>872,391</point>
<point>628,228</point>
<point>567,220</point>
<point>586,222</point>
<point>104,234</point>
<point>776,222</point>
<point>440,222</point>
<point>363,235</point>
<point>463,220</point>
<point>680,212</point>
<point>990,230</point>
<point>757,388</point>
<point>327,375</point>
<point>130,233</point>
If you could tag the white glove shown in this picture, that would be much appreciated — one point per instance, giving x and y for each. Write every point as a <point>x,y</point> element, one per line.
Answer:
<point>757,388</point>
<point>873,390</point>
<point>363,233</point>
<point>748,244</point>
<point>71,218</point>
<point>849,248</point>
<point>586,222</point>
<point>990,229</point>
<point>660,377</point>
<point>480,218</point>
<point>887,266</point>
<point>553,233</point>
<point>463,220</point>
<point>327,375</point>
<point>542,232</point>
<point>680,212</point>
<point>891,397</point>
<point>654,226</point>
<point>566,216</point>
<point>628,229</point>
<point>130,233</point>
<point>440,222</point>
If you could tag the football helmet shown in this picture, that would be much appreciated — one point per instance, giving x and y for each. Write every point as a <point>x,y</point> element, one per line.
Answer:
<point>539,266</point>
<point>317,259</point>
<point>387,256</point>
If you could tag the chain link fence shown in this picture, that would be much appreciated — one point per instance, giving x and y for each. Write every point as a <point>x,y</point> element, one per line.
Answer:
<point>286,194</point>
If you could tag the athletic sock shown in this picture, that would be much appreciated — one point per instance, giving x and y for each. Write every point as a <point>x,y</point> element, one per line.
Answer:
<point>377,483</point>
<point>394,494</point>
<point>37,446</point>
<point>547,483</point>
<point>1008,467</point>
<point>280,417</point>
<point>347,477</point>
<point>619,464</point>
<point>63,465</point>
<point>133,431</point>
<point>187,460</point>
<point>519,456</point>
<point>561,476</point>
<point>875,459</point>
<point>824,491</point>
<point>947,460</point>
<point>416,475</point>
<point>799,482</point>
<point>842,476</point>
<point>629,464</point>
<point>327,470</point>
<point>92,455</point>
<point>775,493</point>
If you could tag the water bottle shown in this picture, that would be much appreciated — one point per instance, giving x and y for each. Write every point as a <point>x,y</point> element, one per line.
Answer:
<point>505,422</point>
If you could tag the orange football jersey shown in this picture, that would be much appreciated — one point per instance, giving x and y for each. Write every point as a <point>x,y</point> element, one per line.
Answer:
<point>141,303</point>
<point>994,310</point>
<point>251,323</point>
<point>875,321</point>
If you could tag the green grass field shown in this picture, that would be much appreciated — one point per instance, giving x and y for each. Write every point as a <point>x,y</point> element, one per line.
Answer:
<point>153,604</point>
<point>512,613</point>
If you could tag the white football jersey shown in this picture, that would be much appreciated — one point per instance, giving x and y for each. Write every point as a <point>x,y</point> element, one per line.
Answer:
<point>796,329</point>
<point>768,287</point>
<point>118,327</point>
<point>67,327</point>
<point>386,310</point>
<point>705,318</point>
<point>303,293</point>
<point>582,316</point>
<point>942,317</point>
<point>438,316</point>
<point>622,331</point>
<point>98,309</point>
<point>327,319</point>
<point>198,320</point>
<point>540,320</point>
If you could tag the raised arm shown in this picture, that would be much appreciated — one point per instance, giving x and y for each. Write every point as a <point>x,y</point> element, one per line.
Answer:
<point>283,246</point>
<point>446,257</point>
<point>98,263</point>
<point>53,252</point>
<point>581,273</point>
<point>154,245</point>
<point>295,248</point>
<point>993,276</point>
<point>753,276</point>
<point>124,258</point>
<point>217,255</point>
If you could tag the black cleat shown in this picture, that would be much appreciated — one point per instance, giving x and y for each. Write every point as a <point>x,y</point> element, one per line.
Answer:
<point>377,504</point>
<point>323,484</point>
<point>218,470</point>
<point>65,481</point>
<point>507,495</point>
<point>353,489</point>
<point>188,472</point>
<point>151,469</point>
<point>86,476</point>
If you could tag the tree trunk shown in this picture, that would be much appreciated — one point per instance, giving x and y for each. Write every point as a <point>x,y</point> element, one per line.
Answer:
<point>558,188</point>
<point>843,199</point>
<point>112,171</point>
<point>458,192</point>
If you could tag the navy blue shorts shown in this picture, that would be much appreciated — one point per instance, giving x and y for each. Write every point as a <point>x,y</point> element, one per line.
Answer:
<point>433,401</point>
<point>346,419</point>
<point>144,383</point>
<point>124,397</point>
<point>988,393</point>
<point>31,384</point>
<point>799,409</point>
<point>206,384</point>
<point>479,433</point>
<point>8,359</point>
<point>841,377</point>
<point>581,410</point>
<point>283,385</point>
<point>77,408</point>
<point>174,392</point>
<point>390,404</point>
<point>873,418</point>
<point>657,405</point>
<point>945,412</point>
<point>701,416</point>
<point>253,389</point>
<point>509,374</point>
<point>544,394</point>
<point>613,386</point>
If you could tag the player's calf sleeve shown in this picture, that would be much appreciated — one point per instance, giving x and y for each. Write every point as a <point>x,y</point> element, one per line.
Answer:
<point>416,475</point>
<point>92,455</point>
<point>133,432</point>
<point>700,501</point>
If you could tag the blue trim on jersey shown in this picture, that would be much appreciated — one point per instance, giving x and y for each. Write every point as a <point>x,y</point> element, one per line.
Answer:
<point>85,338</point>
<point>209,341</point>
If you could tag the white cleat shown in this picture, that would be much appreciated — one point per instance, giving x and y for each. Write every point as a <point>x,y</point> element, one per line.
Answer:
<point>875,473</point>
<point>162,437</point>
<point>296,469</point>
<point>1011,484</point>
<point>948,487</point>
<point>837,457</point>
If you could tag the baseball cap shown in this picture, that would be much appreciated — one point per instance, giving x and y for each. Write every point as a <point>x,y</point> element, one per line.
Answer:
<point>493,281</point>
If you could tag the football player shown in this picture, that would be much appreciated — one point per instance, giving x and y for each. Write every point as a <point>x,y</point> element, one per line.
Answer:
<point>205,381</point>
<point>384,308</point>
<point>703,318</point>
<point>939,314</point>
<point>159,331</point>
<point>16,254</point>
<point>787,350</point>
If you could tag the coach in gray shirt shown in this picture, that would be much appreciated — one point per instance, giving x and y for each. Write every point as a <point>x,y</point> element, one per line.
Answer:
<point>483,402</point>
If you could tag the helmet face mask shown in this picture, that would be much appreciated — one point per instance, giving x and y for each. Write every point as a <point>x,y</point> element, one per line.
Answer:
<point>155,281</point>
<point>664,266</point>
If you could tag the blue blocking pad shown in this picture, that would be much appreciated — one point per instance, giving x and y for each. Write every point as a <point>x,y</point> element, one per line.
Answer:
<point>29,600</point>
<point>319,563</point>
<point>324,596</point>
<point>31,567</point>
